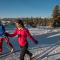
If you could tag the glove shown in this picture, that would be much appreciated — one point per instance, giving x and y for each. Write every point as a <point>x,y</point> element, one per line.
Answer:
<point>36,42</point>
<point>6,34</point>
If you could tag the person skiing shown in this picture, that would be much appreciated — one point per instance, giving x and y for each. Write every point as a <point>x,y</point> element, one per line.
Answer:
<point>3,37</point>
<point>22,33</point>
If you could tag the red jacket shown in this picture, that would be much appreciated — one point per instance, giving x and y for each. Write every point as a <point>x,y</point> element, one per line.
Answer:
<point>22,36</point>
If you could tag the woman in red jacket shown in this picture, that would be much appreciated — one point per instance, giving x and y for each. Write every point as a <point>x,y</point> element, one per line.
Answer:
<point>22,33</point>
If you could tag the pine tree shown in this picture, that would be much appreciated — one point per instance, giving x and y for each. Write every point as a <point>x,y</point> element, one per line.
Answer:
<point>56,12</point>
<point>56,16</point>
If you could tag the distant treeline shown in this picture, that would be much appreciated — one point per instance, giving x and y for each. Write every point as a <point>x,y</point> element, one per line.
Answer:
<point>30,21</point>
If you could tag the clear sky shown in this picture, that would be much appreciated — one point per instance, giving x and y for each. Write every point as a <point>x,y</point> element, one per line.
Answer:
<point>21,8</point>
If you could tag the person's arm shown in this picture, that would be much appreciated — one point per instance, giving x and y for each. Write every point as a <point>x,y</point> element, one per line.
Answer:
<point>12,35</point>
<point>3,29</point>
<point>30,36</point>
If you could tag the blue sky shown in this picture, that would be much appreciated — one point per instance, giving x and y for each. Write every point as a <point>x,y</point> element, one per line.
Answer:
<point>21,8</point>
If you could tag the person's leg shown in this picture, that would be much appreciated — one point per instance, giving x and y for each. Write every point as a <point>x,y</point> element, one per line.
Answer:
<point>22,53</point>
<point>8,42</point>
<point>1,43</point>
<point>28,52</point>
<point>0,50</point>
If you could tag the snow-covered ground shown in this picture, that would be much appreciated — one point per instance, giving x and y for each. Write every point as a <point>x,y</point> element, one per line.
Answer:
<point>38,31</point>
<point>46,53</point>
<point>51,52</point>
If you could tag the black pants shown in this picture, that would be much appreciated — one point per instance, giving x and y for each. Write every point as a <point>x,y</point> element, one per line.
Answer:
<point>24,50</point>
